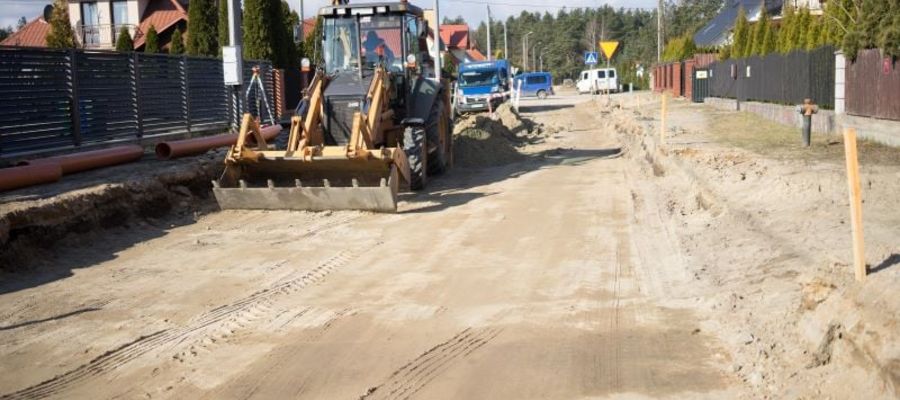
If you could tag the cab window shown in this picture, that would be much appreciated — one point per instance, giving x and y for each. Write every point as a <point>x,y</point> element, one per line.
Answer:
<point>381,39</point>
<point>601,74</point>
<point>612,74</point>
<point>412,34</point>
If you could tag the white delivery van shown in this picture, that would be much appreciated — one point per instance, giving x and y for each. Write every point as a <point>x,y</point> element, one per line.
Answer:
<point>598,81</point>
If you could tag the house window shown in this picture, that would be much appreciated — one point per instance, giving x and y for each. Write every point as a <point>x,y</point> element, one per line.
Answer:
<point>90,23</point>
<point>119,17</point>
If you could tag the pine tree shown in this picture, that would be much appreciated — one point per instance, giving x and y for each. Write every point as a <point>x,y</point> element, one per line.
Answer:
<point>177,45</point>
<point>759,34</point>
<point>769,39</point>
<point>889,40</point>
<point>223,24</point>
<point>812,35</point>
<point>839,18</point>
<point>287,47</point>
<point>741,35</point>
<point>123,42</point>
<point>257,35</point>
<point>151,41</point>
<point>787,25</point>
<point>61,35</point>
<point>21,23</point>
<point>266,35</point>
<point>202,31</point>
<point>801,30</point>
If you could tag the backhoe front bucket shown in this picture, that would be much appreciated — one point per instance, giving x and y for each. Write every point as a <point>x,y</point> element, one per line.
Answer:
<point>287,183</point>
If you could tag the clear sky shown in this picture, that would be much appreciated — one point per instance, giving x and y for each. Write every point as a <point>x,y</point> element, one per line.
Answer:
<point>473,11</point>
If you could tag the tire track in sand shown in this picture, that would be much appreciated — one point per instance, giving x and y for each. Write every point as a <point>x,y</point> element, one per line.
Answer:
<point>202,329</point>
<point>415,375</point>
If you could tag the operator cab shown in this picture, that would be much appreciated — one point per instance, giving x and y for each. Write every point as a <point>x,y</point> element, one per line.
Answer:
<point>360,37</point>
<point>357,39</point>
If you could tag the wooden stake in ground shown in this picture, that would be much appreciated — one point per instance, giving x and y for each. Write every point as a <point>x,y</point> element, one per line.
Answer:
<point>859,253</point>
<point>662,120</point>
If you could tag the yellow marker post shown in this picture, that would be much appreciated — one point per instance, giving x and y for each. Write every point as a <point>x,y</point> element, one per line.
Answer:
<point>859,251</point>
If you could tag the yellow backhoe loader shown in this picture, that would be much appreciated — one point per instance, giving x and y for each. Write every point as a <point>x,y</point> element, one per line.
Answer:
<point>372,116</point>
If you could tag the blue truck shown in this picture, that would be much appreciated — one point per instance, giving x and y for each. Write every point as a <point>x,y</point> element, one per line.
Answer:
<point>481,83</point>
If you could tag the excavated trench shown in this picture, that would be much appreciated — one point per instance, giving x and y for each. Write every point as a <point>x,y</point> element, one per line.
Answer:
<point>35,221</point>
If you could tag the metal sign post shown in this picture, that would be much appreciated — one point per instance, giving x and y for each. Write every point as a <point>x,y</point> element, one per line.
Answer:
<point>590,59</point>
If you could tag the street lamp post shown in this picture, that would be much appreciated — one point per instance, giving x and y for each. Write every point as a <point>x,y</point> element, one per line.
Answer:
<point>505,45</point>
<point>533,51</point>
<point>525,52</point>
<point>542,59</point>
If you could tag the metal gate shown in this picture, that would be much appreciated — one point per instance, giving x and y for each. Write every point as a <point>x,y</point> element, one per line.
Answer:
<point>701,85</point>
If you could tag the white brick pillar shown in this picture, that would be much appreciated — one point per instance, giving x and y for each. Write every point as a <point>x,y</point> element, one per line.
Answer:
<point>840,78</point>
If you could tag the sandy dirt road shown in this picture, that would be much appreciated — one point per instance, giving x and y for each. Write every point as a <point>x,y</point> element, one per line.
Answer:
<point>534,280</point>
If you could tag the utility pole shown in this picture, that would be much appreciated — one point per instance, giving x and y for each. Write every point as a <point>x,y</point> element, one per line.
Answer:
<point>505,44</point>
<point>438,64</point>
<point>490,52</point>
<point>525,52</point>
<point>302,21</point>
<point>660,26</point>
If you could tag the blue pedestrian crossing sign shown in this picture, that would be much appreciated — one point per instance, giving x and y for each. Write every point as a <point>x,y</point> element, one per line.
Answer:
<point>590,57</point>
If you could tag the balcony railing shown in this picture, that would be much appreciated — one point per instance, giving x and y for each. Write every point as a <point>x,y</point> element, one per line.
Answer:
<point>102,36</point>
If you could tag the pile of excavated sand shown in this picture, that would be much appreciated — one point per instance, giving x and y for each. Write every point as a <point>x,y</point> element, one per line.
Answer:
<point>484,140</point>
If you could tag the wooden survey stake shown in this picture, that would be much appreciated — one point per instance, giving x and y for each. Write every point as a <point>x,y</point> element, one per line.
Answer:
<point>859,252</point>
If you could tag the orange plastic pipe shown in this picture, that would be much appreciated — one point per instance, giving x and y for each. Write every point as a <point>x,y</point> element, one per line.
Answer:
<point>88,160</point>
<point>29,175</point>
<point>192,147</point>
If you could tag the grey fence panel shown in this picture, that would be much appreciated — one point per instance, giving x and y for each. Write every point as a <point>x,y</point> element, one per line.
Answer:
<point>207,97</point>
<point>777,78</point>
<point>163,107</point>
<point>35,100</point>
<point>52,100</point>
<point>106,103</point>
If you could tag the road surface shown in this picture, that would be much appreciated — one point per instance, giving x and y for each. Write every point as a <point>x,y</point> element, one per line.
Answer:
<point>541,279</point>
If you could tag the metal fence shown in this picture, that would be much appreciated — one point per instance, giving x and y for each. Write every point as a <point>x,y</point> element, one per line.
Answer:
<point>777,78</point>
<point>53,100</point>
<point>873,86</point>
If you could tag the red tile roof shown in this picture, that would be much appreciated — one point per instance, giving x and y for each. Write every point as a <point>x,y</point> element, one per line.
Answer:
<point>475,55</point>
<point>309,25</point>
<point>33,34</point>
<point>455,36</point>
<point>162,14</point>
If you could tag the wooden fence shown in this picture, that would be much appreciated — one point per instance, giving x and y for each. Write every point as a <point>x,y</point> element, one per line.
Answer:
<point>873,86</point>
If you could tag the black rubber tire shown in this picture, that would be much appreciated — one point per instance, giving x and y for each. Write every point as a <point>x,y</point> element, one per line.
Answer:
<point>542,94</point>
<point>437,163</point>
<point>414,147</point>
